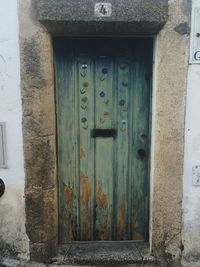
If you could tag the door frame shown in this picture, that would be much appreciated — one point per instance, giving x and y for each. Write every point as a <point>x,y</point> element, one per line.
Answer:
<point>39,128</point>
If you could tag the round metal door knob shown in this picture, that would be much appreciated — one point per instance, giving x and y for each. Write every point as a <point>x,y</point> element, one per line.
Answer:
<point>141,153</point>
<point>2,187</point>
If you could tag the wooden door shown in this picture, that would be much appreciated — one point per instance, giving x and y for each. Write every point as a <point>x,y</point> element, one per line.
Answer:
<point>103,91</point>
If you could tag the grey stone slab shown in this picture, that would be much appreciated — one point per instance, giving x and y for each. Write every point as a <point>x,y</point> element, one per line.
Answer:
<point>144,250</point>
<point>143,247</point>
<point>103,253</point>
<point>63,249</point>
<point>78,16</point>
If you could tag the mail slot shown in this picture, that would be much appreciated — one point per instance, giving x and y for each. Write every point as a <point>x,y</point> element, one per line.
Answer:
<point>103,133</point>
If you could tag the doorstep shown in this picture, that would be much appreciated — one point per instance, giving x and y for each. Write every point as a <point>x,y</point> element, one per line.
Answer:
<point>106,253</point>
<point>90,254</point>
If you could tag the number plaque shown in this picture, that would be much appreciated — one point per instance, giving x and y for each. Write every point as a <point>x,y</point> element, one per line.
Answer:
<point>103,9</point>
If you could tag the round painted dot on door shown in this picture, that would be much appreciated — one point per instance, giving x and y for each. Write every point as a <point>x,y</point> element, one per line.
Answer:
<point>104,71</point>
<point>102,94</point>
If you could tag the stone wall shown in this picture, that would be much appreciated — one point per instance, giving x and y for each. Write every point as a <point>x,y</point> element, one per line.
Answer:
<point>37,83</point>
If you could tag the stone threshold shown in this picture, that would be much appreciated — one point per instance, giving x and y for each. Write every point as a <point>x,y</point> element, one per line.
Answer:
<point>90,254</point>
<point>118,253</point>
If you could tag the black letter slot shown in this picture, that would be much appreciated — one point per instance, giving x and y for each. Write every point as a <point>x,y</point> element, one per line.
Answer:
<point>103,133</point>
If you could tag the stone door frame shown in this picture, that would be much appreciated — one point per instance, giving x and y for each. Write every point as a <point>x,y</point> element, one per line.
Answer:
<point>39,120</point>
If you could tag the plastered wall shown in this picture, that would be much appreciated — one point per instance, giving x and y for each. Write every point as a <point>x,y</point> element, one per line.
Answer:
<point>191,193</point>
<point>13,240</point>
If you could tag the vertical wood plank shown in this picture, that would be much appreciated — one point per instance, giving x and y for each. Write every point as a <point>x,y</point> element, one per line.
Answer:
<point>122,172</point>
<point>141,109</point>
<point>86,146</point>
<point>103,149</point>
<point>68,201</point>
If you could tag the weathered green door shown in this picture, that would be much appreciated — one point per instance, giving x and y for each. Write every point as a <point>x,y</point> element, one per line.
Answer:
<point>103,114</point>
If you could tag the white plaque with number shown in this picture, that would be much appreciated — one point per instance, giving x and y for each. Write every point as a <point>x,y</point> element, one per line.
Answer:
<point>103,9</point>
<point>195,36</point>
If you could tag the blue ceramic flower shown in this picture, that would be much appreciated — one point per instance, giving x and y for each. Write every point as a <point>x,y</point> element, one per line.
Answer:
<point>83,120</point>
<point>104,70</point>
<point>122,102</point>
<point>125,83</point>
<point>102,94</point>
<point>124,122</point>
<point>84,66</point>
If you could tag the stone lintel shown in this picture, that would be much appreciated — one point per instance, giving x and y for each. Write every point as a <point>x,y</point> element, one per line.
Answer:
<point>78,17</point>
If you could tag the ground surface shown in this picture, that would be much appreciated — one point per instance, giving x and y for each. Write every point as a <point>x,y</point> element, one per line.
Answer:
<point>101,254</point>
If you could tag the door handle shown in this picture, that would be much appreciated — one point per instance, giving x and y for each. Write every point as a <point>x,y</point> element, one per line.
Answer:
<point>141,153</point>
<point>103,133</point>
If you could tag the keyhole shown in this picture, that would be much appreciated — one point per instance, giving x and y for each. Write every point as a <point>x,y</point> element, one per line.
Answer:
<point>141,153</point>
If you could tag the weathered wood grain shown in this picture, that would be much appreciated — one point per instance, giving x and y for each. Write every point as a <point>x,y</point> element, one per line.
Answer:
<point>85,110</point>
<point>104,110</point>
<point>103,181</point>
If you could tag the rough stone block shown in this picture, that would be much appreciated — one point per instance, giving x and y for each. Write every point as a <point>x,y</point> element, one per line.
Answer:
<point>41,252</point>
<point>42,219</point>
<point>40,162</point>
<point>128,16</point>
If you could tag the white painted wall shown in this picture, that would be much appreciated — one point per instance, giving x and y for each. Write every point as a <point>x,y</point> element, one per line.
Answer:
<point>191,193</point>
<point>12,212</point>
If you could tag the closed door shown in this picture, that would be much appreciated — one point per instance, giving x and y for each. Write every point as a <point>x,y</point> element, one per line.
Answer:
<point>103,91</point>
